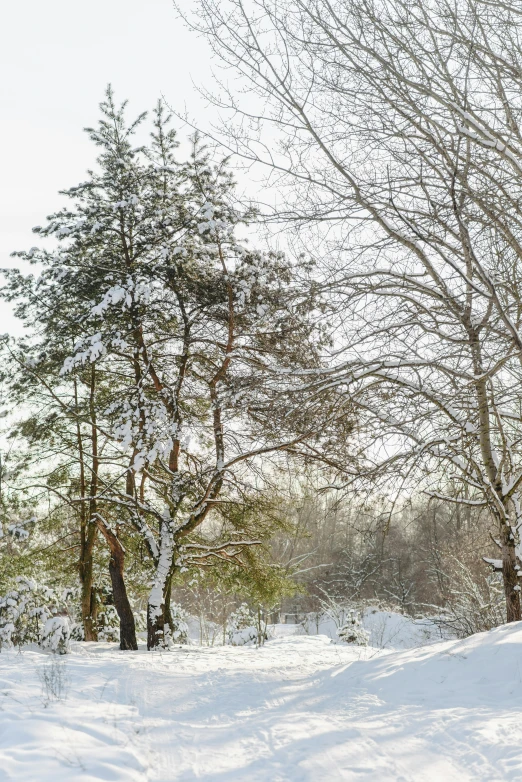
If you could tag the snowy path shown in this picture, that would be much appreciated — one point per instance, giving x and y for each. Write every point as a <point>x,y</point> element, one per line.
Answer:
<point>300,709</point>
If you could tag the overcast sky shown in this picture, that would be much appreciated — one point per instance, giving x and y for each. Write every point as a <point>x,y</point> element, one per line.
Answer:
<point>56,58</point>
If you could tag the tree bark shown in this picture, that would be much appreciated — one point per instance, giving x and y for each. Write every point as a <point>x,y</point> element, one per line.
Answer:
<point>158,608</point>
<point>121,601</point>
<point>87,541</point>
<point>88,598</point>
<point>159,619</point>
<point>168,596</point>
<point>119,591</point>
<point>155,626</point>
<point>509,574</point>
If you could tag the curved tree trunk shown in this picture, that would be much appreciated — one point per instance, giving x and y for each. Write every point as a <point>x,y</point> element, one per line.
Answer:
<point>119,591</point>
<point>121,602</point>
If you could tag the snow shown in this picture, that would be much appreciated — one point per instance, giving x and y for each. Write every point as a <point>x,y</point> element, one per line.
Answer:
<point>299,709</point>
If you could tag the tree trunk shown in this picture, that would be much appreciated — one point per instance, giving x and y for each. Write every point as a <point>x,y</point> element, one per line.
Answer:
<point>89,527</point>
<point>159,619</point>
<point>158,609</point>
<point>168,597</point>
<point>119,591</point>
<point>88,598</point>
<point>155,626</point>
<point>509,574</point>
<point>121,601</point>
<point>87,540</point>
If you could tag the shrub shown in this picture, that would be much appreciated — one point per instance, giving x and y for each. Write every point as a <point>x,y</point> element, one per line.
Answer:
<point>352,631</point>
<point>34,613</point>
<point>474,604</point>
<point>56,634</point>
<point>242,626</point>
<point>178,633</point>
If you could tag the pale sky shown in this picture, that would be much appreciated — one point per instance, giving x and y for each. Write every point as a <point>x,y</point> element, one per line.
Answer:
<point>56,58</point>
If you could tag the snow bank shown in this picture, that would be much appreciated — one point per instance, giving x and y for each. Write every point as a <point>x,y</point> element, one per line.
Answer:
<point>300,709</point>
<point>486,667</point>
<point>388,630</point>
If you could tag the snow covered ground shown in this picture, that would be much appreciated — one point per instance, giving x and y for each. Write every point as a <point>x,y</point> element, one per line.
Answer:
<point>300,708</point>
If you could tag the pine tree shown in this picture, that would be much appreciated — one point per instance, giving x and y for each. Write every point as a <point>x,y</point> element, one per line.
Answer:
<point>182,330</point>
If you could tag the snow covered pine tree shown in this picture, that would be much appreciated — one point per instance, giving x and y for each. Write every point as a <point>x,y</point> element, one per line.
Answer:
<point>180,323</point>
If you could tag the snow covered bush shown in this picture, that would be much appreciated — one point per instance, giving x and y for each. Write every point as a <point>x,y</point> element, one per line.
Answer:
<point>140,618</point>
<point>26,613</point>
<point>77,632</point>
<point>348,621</point>
<point>178,632</point>
<point>247,635</point>
<point>352,631</point>
<point>56,634</point>
<point>108,624</point>
<point>247,627</point>
<point>242,626</point>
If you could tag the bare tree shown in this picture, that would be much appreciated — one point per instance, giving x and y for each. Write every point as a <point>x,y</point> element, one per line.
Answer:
<point>397,126</point>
